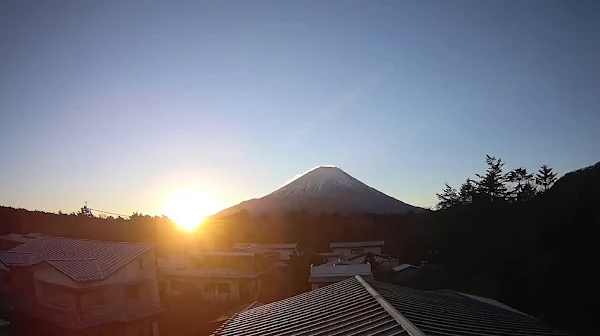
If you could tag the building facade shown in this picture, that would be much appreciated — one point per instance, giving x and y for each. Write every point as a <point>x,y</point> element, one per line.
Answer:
<point>352,249</point>
<point>65,286</point>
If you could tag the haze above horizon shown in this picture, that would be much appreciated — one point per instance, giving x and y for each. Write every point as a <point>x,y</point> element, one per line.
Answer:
<point>125,104</point>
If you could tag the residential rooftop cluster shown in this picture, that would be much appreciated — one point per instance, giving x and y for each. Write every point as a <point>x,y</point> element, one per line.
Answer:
<point>67,286</point>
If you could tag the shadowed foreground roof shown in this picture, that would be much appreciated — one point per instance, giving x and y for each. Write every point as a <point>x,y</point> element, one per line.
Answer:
<point>79,259</point>
<point>358,307</point>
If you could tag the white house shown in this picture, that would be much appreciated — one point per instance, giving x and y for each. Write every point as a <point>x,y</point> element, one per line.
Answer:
<point>283,250</point>
<point>351,249</point>
<point>386,262</point>
<point>329,273</point>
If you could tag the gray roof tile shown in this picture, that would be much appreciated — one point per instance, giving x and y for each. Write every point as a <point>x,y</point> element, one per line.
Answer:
<point>344,308</point>
<point>355,307</point>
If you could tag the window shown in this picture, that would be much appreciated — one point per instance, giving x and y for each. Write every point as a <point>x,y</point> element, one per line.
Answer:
<point>131,292</point>
<point>223,288</point>
<point>209,287</point>
<point>96,299</point>
<point>357,251</point>
<point>177,286</point>
<point>55,295</point>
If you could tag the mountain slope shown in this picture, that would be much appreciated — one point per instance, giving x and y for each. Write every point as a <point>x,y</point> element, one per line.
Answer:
<point>324,189</point>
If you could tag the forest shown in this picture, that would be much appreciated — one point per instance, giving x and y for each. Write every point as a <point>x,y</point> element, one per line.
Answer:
<point>525,239</point>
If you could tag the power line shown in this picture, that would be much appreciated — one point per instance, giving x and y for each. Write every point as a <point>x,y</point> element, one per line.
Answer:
<point>110,213</point>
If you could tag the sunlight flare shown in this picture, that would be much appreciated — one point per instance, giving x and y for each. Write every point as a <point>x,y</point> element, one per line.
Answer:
<point>188,208</point>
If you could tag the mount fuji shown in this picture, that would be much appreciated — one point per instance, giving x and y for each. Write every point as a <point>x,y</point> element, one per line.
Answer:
<point>324,189</point>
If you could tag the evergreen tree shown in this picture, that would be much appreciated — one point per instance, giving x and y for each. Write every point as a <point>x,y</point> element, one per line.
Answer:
<point>524,189</point>
<point>447,198</point>
<point>85,211</point>
<point>491,184</point>
<point>545,177</point>
<point>466,192</point>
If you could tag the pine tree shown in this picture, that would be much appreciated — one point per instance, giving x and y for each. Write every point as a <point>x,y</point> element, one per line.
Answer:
<point>467,192</point>
<point>85,211</point>
<point>447,198</point>
<point>524,189</point>
<point>545,177</point>
<point>491,184</point>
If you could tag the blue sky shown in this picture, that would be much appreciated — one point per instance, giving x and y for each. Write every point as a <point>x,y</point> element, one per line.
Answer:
<point>123,103</point>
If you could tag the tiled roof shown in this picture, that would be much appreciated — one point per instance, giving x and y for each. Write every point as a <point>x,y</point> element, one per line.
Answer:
<point>13,259</point>
<point>376,255</point>
<point>403,267</point>
<point>290,246</point>
<point>358,307</point>
<point>16,237</point>
<point>254,249</point>
<point>358,244</point>
<point>436,313</point>
<point>205,272</point>
<point>344,308</point>
<point>79,259</point>
<point>224,253</point>
<point>79,269</point>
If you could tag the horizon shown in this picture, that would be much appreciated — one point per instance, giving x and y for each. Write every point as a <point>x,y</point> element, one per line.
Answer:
<point>161,107</point>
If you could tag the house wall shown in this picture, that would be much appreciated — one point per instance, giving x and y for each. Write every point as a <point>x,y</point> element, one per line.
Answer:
<point>347,251</point>
<point>245,263</point>
<point>44,272</point>
<point>196,285</point>
<point>78,296</point>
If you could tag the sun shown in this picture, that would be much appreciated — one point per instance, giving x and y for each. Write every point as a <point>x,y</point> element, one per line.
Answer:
<point>188,208</point>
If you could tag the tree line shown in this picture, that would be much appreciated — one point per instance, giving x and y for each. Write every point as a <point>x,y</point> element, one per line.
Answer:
<point>517,185</point>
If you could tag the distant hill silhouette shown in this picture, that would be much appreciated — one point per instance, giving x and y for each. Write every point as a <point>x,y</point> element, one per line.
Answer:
<point>324,189</point>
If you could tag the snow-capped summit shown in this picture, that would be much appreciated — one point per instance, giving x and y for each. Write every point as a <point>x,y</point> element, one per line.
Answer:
<point>322,180</point>
<point>324,189</point>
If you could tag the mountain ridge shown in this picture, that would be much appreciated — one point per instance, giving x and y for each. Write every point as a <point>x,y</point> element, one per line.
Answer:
<point>324,189</point>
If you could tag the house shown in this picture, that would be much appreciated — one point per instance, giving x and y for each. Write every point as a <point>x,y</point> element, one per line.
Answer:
<point>385,262</point>
<point>283,251</point>
<point>329,273</point>
<point>360,307</point>
<point>405,273</point>
<point>66,286</point>
<point>230,276</point>
<point>331,257</point>
<point>12,240</point>
<point>351,249</point>
<point>225,285</point>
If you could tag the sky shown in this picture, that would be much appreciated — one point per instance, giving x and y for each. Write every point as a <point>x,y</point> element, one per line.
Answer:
<point>124,104</point>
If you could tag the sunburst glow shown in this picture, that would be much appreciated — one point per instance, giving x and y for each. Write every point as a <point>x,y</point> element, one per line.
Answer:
<point>188,208</point>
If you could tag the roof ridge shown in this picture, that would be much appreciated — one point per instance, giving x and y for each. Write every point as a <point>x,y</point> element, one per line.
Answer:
<point>95,240</point>
<point>71,259</point>
<point>410,328</point>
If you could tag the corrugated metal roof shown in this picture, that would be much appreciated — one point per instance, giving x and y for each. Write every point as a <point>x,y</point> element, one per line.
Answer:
<point>436,313</point>
<point>355,307</point>
<point>79,259</point>
<point>344,308</point>
<point>358,244</point>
